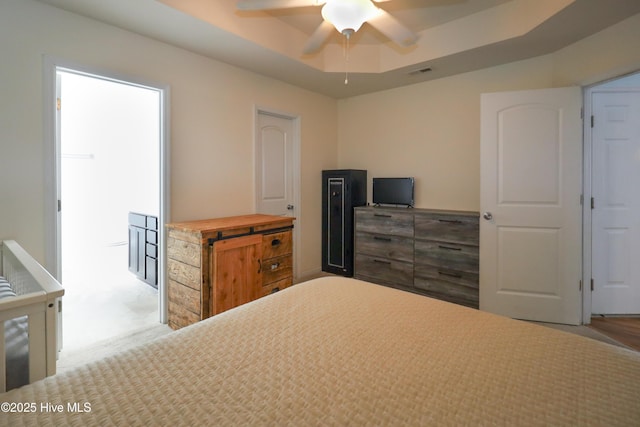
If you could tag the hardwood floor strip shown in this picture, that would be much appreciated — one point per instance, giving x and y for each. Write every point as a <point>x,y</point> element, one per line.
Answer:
<point>625,330</point>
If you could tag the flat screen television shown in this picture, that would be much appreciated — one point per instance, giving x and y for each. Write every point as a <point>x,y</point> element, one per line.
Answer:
<point>393,191</point>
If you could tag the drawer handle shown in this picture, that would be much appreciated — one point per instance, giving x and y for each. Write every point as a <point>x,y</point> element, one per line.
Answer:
<point>451,221</point>
<point>444,273</point>
<point>275,242</point>
<point>384,239</point>
<point>275,266</point>
<point>378,261</point>
<point>274,290</point>
<point>449,248</point>
<point>382,215</point>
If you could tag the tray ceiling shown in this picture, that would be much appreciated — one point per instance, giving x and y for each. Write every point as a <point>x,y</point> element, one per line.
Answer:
<point>456,36</point>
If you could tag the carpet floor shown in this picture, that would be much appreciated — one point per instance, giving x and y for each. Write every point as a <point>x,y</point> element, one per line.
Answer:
<point>71,359</point>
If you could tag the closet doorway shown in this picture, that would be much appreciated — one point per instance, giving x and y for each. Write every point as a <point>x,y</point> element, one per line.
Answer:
<point>108,138</point>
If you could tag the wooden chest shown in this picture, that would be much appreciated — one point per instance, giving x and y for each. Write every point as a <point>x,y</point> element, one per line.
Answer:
<point>214,265</point>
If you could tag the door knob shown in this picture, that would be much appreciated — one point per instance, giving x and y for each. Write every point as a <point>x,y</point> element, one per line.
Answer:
<point>488,216</point>
<point>290,207</point>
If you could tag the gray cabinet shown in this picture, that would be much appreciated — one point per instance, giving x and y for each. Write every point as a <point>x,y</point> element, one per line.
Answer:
<point>430,252</point>
<point>143,247</point>
<point>384,246</point>
<point>447,257</point>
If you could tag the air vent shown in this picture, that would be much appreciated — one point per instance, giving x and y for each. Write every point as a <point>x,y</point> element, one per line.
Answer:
<point>420,71</point>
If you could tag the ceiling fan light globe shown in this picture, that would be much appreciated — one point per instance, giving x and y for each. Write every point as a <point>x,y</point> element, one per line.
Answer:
<point>348,14</point>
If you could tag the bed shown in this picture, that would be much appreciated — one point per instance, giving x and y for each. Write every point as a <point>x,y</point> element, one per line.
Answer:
<point>339,351</point>
<point>29,305</point>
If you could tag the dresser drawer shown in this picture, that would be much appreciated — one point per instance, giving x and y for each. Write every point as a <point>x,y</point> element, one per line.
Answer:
<point>451,256</point>
<point>448,291</point>
<point>448,228</point>
<point>273,287</point>
<point>384,222</point>
<point>385,246</point>
<point>275,269</point>
<point>384,270</point>
<point>461,278</point>
<point>277,244</point>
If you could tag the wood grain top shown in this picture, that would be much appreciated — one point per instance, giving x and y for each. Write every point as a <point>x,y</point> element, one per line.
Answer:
<point>214,225</point>
<point>393,209</point>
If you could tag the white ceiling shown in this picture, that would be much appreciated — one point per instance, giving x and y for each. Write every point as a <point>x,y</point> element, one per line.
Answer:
<point>456,36</point>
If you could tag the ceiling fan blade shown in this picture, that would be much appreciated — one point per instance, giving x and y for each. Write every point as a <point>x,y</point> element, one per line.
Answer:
<point>392,28</point>
<point>275,4</point>
<point>319,36</point>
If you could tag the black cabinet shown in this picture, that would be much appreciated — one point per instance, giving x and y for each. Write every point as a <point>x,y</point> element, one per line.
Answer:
<point>143,247</point>
<point>342,190</point>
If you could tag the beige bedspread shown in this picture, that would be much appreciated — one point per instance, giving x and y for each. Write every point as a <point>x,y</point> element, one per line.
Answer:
<point>337,351</point>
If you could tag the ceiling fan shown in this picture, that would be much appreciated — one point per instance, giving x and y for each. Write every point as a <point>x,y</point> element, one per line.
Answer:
<point>346,16</point>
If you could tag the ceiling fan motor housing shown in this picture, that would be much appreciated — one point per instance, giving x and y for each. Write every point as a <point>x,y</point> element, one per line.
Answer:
<point>349,14</point>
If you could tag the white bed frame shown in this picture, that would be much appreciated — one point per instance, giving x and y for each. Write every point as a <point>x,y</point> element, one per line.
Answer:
<point>38,296</point>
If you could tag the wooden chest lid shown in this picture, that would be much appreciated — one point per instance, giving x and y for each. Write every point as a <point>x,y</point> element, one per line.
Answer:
<point>258,222</point>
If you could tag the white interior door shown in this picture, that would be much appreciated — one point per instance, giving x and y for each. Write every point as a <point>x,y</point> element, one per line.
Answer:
<point>277,170</point>
<point>275,165</point>
<point>615,181</point>
<point>531,183</point>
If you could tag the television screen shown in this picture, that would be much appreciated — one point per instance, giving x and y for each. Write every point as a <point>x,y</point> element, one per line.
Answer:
<point>393,191</point>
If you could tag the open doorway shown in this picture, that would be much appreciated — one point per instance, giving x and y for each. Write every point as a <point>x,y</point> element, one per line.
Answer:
<point>109,135</point>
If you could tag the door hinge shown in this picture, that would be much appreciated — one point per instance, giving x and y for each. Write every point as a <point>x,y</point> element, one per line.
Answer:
<point>592,285</point>
<point>593,203</point>
<point>592,120</point>
<point>59,205</point>
<point>58,104</point>
<point>580,285</point>
<point>581,199</point>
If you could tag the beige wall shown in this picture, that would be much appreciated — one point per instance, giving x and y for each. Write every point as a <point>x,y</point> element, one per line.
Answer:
<point>610,53</point>
<point>431,130</point>
<point>212,111</point>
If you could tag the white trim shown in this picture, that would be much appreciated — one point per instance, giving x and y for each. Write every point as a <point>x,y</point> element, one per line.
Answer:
<point>296,119</point>
<point>586,206</point>
<point>51,169</point>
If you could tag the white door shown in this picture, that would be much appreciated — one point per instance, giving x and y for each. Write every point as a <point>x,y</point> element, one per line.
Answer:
<point>530,190</point>
<point>616,208</point>
<point>275,165</point>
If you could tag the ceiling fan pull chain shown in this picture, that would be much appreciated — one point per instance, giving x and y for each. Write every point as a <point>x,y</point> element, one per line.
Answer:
<point>345,49</point>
